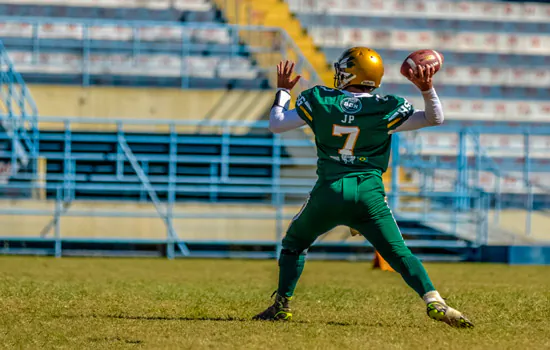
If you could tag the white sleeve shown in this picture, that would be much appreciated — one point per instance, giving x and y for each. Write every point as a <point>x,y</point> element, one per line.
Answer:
<point>432,114</point>
<point>281,119</point>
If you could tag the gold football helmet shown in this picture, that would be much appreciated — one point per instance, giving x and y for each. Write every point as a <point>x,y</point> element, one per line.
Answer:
<point>358,66</point>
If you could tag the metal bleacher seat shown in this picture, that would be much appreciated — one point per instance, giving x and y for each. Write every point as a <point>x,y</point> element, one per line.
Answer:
<point>504,11</point>
<point>424,24</point>
<point>474,92</point>
<point>208,159</point>
<point>461,41</point>
<point>461,58</point>
<point>149,69</point>
<point>148,48</point>
<point>496,53</point>
<point>155,10</point>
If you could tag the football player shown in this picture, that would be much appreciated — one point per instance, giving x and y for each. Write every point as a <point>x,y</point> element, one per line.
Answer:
<point>353,129</point>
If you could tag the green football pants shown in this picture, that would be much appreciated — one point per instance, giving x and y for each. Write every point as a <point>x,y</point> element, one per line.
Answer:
<point>357,201</point>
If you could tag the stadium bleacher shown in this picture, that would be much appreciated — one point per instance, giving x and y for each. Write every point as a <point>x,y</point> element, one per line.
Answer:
<point>136,44</point>
<point>496,54</point>
<point>185,11</point>
<point>496,58</point>
<point>208,166</point>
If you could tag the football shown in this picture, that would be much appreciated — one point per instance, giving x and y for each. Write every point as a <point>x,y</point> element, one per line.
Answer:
<point>422,58</point>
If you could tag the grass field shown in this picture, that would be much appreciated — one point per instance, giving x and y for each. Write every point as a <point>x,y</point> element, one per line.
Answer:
<point>193,304</point>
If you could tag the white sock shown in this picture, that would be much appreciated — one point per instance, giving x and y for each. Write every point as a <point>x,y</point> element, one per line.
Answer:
<point>432,296</point>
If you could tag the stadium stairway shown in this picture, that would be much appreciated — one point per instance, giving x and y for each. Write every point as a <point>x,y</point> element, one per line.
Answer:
<point>276,13</point>
<point>18,126</point>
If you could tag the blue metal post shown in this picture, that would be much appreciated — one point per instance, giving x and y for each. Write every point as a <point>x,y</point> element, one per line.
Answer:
<point>486,221</point>
<point>526,160</point>
<point>214,179</point>
<point>36,143</point>
<point>478,218</point>
<point>172,172</point>
<point>529,210</point>
<point>72,182</point>
<point>226,139</point>
<point>527,181</point>
<point>67,162</point>
<point>13,151</point>
<point>185,53</point>
<point>35,43</point>
<point>498,198</point>
<point>170,251</point>
<point>9,98</point>
<point>119,160</point>
<point>482,219</point>
<point>57,223</point>
<point>425,200</point>
<point>135,46</point>
<point>275,166</point>
<point>477,171</point>
<point>462,171</point>
<point>86,55</point>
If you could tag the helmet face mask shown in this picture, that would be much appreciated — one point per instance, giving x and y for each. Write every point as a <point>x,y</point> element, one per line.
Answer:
<point>358,66</point>
<point>341,78</point>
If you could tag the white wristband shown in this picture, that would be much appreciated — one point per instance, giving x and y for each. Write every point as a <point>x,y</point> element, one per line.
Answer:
<point>282,98</point>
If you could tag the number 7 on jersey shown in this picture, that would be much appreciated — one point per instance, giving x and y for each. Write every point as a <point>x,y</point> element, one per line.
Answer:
<point>351,140</point>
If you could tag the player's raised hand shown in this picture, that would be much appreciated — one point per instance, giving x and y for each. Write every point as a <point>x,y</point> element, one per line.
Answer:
<point>284,74</point>
<point>423,77</point>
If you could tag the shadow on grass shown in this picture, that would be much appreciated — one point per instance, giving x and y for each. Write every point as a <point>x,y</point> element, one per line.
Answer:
<point>116,339</point>
<point>202,318</point>
<point>373,323</point>
<point>177,318</point>
<point>222,319</point>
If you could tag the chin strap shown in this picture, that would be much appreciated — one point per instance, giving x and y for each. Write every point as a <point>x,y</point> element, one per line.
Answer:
<point>282,99</point>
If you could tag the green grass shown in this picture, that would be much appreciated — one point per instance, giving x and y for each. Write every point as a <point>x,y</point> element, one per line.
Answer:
<point>194,304</point>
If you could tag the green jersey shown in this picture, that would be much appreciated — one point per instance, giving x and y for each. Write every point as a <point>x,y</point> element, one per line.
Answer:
<point>352,134</point>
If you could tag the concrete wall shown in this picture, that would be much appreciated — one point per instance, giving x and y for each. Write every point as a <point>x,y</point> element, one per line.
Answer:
<point>148,103</point>
<point>515,221</point>
<point>144,227</point>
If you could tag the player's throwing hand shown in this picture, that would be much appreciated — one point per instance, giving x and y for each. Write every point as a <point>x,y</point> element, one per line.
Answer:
<point>284,74</point>
<point>423,77</point>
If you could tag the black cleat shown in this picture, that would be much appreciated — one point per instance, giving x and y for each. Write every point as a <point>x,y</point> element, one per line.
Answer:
<point>279,311</point>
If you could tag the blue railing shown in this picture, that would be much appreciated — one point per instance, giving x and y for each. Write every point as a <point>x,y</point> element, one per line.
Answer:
<point>139,39</point>
<point>61,189</point>
<point>18,118</point>
<point>463,164</point>
<point>460,209</point>
<point>460,231</point>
